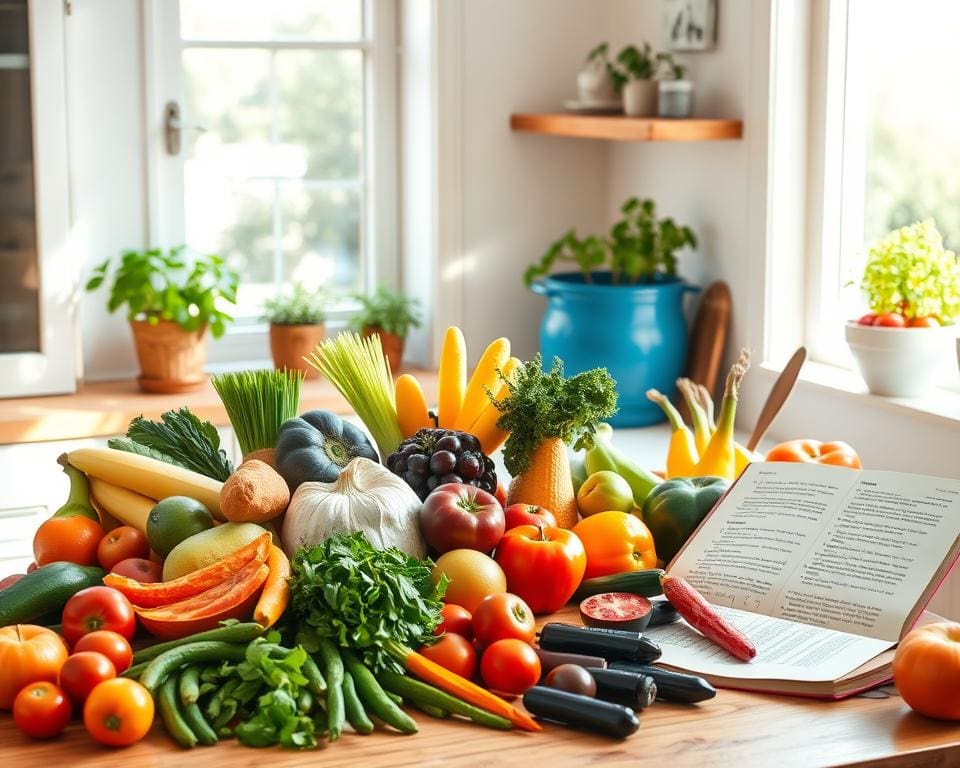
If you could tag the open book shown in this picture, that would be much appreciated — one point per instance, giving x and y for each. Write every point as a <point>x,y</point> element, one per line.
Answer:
<point>823,568</point>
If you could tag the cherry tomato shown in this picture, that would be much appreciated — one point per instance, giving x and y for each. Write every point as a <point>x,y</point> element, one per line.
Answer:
<point>42,710</point>
<point>924,322</point>
<point>111,644</point>
<point>890,320</point>
<point>456,619</point>
<point>501,616</point>
<point>510,666</point>
<point>139,569</point>
<point>455,653</point>
<point>118,712</point>
<point>868,319</point>
<point>83,672</point>
<point>122,543</point>
<point>96,608</point>
<point>572,678</point>
<point>527,514</point>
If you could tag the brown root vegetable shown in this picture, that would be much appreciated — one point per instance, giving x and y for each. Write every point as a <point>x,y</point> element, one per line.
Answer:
<point>254,493</point>
<point>266,455</point>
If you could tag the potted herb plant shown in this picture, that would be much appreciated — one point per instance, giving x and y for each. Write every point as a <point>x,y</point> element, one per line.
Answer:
<point>639,86</point>
<point>391,315</point>
<point>912,285</point>
<point>171,301</point>
<point>622,308</point>
<point>599,82</point>
<point>675,92</point>
<point>296,327</point>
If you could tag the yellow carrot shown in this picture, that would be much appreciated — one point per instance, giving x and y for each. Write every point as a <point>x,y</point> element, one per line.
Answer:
<point>547,483</point>
<point>276,591</point>
<point>485,427</point>
<point>682,452</point>
<point>412,412</point>
<point>484,377</point>
<point>452,377</point>
<point>719,458</point>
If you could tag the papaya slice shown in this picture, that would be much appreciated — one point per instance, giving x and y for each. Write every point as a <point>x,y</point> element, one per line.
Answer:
<point>167,592</point>
<point>234,598</point>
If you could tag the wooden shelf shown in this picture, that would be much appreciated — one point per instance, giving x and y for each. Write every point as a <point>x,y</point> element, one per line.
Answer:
<point>622,128</point>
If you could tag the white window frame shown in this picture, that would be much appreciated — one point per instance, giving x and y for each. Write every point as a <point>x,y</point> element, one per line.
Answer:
<point>245,341</point>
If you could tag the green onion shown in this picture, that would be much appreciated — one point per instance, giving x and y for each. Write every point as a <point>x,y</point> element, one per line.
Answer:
<point>356,366</point>
<point>258,402</point>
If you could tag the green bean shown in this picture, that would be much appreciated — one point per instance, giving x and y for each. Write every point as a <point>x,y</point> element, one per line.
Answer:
<point>333,670</point>
<point>356,714</point>
<point>375,699</point>
<point>173,720</point>
<point>418,692</point>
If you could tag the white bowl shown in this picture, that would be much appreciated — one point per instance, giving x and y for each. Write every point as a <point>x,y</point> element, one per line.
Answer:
<point>899,362</point>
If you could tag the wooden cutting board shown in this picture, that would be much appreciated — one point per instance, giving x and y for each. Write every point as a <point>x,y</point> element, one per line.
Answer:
<point>709,337</point>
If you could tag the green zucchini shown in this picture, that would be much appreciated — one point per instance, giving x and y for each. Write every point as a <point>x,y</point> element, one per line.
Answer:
<point>45,590</point>
<point>645,582</point>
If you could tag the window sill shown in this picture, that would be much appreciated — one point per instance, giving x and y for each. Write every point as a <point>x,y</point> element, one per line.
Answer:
<point>941,407</point>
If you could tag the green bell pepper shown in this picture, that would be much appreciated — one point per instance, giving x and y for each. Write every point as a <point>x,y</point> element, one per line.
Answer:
<point>676,507</point>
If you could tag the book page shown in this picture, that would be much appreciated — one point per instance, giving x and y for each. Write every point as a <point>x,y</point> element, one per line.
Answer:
<point>785,650</point>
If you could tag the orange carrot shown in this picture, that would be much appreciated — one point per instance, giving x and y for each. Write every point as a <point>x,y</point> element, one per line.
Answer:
<point>431,672</point>
<point>547,483</point>
<point>276,591</point>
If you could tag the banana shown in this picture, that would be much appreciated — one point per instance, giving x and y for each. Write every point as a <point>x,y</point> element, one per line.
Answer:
<point>148,477</point>
<point>128,507</point>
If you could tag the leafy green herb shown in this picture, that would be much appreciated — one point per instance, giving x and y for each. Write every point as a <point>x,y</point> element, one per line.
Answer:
<point>258,402</point>
<point>542,405</point>
<point>128,445</point>
<point>180,438</point>
<point>299,307</point>
<point>393,312</point>
<point>362,598</point>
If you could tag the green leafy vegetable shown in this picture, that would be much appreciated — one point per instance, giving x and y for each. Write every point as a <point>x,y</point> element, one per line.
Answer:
<point>128,445</point>
<point>258,402</point>
<point>542,405</point>
<point>180,438</point>
<point>362,598</point>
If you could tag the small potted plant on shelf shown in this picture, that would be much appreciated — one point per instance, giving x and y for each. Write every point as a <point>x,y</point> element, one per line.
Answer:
<point>675,94</point>
<point>639,87</point>
<point>912,285</point>
<point>622,308</point>
<point>296,327</point>
<point>171,301</point>
<point>391,315</point>
<point>599,82</point>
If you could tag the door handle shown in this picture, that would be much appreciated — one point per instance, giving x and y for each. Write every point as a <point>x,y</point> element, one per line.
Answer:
<point>173,128</point>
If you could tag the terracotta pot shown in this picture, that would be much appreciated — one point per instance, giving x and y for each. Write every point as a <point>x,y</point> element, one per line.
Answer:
<point>289,344</point>
<point>391,343</point>
<point>171,359</point>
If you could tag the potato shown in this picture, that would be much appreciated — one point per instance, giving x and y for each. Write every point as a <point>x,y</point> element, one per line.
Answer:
<point>254,493</point>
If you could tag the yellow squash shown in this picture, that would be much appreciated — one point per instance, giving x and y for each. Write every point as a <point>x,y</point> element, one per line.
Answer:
<point>485,377</point>
<point>451,377</point>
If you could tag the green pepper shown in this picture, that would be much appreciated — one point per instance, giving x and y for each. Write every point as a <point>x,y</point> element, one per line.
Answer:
<point>676,507</point>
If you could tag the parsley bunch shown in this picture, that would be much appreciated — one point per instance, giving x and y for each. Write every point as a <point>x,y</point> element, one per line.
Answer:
<point>540,405</point>
<point>362,598</point>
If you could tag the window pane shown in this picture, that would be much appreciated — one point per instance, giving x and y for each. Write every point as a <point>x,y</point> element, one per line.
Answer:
<point>321,236</point>
<point>265,20</point>
<point>321,109</point>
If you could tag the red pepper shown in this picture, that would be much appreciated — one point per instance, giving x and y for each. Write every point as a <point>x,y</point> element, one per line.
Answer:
<point>814,452</point>
<point>703,617</point>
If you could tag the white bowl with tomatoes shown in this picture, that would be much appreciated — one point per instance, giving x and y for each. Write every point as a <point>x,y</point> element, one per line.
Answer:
<point>899,356</point>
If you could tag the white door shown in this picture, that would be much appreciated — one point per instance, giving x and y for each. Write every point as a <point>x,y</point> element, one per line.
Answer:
<point>38,279</point>
<point>284,161</point>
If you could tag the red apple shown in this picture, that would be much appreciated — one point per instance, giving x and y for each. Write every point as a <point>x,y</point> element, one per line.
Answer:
<point>868,319</point>
<point>461,516</point>
<point>527,514</point>
<point>890,320</point>
<point>139,569</point>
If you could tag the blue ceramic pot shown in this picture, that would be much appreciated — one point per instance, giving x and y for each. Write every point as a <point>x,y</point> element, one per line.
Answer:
<point>637,332</point>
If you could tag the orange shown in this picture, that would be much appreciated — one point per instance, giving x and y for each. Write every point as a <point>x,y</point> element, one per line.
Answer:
<point>74,539</point>
<point>473,576</point>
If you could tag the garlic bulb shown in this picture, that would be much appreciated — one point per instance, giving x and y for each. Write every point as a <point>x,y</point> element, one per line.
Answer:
<point>366,497</point>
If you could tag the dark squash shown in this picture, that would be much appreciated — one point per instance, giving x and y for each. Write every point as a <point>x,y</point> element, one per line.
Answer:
<point>315,446</point>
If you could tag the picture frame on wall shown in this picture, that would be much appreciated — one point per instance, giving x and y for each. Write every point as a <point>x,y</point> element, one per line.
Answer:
<point>690,25</point>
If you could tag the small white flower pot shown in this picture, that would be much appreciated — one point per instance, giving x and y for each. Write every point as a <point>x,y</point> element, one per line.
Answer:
<point>640,98</point>
<point>900,362</point>
<point>594,85</point>
<point>675,98</point>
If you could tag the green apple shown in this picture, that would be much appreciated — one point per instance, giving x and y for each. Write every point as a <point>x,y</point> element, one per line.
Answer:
<point>604,491</point>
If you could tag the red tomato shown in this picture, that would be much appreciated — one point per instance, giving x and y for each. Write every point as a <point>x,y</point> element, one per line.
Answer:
<point>122,543</point>
<point>112,645</point>
<point>924,322</point>
<point>118,712</point>
<point>868,319</point>
<point>527,514</point>
<point>139,569</point>
<point>82,672</point>
<point>9,581</point>
<point>926,670</point>
<point>456,619</point>
<point>96,608</point>
<point>42,710</point>
<point>461,516</point>
<point>815,452</point>
<point>455,653</point>
<point>890,320</point>
<point>510,666</point>
<point>502,616</point>
<point>543,566</point>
